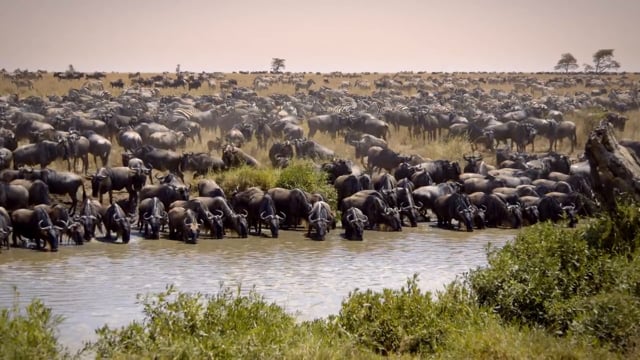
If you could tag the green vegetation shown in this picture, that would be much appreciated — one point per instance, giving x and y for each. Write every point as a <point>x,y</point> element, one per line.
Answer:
<point>550,293</point>
<point>302,174</point>
<point>29,334</point>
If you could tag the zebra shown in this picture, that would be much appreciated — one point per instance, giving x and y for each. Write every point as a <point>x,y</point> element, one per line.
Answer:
<point>180,119</point>
<point>304,85</point>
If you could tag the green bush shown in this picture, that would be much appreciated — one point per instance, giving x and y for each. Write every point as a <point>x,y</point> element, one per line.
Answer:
<point>305,175</point>
<point>30,334</point>
<point>393,321</point>
<point>227,325</point>
<point>616,233</point>
<point>569,281</point>
<point>611,319</point>
<point>245,177</point>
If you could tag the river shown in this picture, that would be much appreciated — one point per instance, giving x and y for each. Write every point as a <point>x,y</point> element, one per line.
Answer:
<point>97,283</point>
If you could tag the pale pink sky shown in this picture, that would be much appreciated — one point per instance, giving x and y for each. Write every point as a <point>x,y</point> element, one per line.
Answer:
<point>320,35</point>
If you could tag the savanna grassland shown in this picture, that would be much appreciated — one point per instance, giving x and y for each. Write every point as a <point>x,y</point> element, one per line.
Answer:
<point>551,293</point>
<point>401,141</point>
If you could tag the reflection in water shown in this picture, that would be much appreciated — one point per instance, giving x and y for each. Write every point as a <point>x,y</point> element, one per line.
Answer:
<point>97,283</point>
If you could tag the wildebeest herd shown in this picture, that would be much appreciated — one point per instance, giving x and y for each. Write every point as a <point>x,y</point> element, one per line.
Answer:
<point>389,190</point>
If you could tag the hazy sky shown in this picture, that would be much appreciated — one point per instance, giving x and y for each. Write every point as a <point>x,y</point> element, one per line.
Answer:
<point>319,35</point>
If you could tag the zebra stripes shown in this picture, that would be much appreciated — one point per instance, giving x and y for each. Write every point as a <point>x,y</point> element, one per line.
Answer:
<point>182,113</point>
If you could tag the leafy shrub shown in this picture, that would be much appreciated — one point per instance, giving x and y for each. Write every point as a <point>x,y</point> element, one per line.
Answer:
<point>569,281</point>
<point>617,232</point>
<point>610,318</point>
<point>306,176</point>
<point>30,335</point>
<point>393,321</point>
<point>245,177</point>
<point>227,325</point>
<point>544,264</point>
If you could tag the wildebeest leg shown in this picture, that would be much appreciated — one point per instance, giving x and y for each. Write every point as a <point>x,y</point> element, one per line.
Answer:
<point>85,164</point>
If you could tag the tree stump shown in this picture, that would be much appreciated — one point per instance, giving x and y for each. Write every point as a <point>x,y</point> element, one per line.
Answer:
<point>615,169</point>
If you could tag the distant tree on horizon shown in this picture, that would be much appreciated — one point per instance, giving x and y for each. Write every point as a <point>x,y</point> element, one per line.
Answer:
<point>71,69</point>
<point>277,64</point>
<point>567,62</point>
<point>603,61</point>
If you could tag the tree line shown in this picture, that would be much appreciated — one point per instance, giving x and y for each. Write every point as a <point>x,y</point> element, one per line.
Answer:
<point>602,62</point>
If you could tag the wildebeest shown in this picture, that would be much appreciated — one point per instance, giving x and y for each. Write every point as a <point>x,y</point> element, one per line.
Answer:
<point>159,159</point>
<point>167,140</point>
<point>235,157</point>
<point>320,219</point>
<point>365,142</point>
<point>453,207</point>
<point>90,215</point>
<point>99,147</point>
<point>232,220</point>
<point>36,225</point>
<point>329,124</point>
<point>183,225</point>
<point>310,149</point>
<point>374,207</point>
<point>5,227</point>
<point>152,217</point>
<point>384,158</point>
<point>200,163</point>
<point>259,207</point>
<point>42,153</point>
<point>8,139</point>
<point>353,223</point>
<point>210,188</point>
<point>441,170</point>
<point>292,203</point>
<point>38,191</point>
<point>129,139</point>
<point>116,220</point>
<point>279,151</point>
<point>211,221</point>
<point>78,147</point>
<point>116,178</point>
<point>60,183</point>
<point>497,212</point>
<point>167,193</point>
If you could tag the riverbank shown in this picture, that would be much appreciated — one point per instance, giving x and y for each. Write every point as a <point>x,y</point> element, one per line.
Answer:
<point>552,292</point>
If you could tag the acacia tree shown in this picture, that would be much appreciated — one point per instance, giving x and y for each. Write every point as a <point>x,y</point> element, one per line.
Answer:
<point>277,64</point>
<point>567,62</point>
<point>603,61</point>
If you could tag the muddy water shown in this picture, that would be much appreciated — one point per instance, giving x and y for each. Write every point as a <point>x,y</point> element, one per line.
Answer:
<point>97,283</point>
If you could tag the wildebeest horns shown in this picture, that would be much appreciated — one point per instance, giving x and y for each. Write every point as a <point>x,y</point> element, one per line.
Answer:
<point>263,217</point>
<point>211,216</point>
<point>351,218</point>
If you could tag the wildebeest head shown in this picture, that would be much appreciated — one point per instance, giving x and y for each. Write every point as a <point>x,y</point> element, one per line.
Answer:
<point>121,223</point>
<point>319,219</point>
<point>100,180</point>
<point>472,163</point>
<point>515,213</point>
<point>570,213</point>
<point>76,232</point>
<point>391,217</point>
<point>191,229</point>
<point>354,222</point>
<point>479,216</point>
<point>531,214</point>
<point>465,215</point>
<point>268,215</point>
<point>453,170</point>
<point>240,224</point>
<point>217,224</point>
<point>48,231</point>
